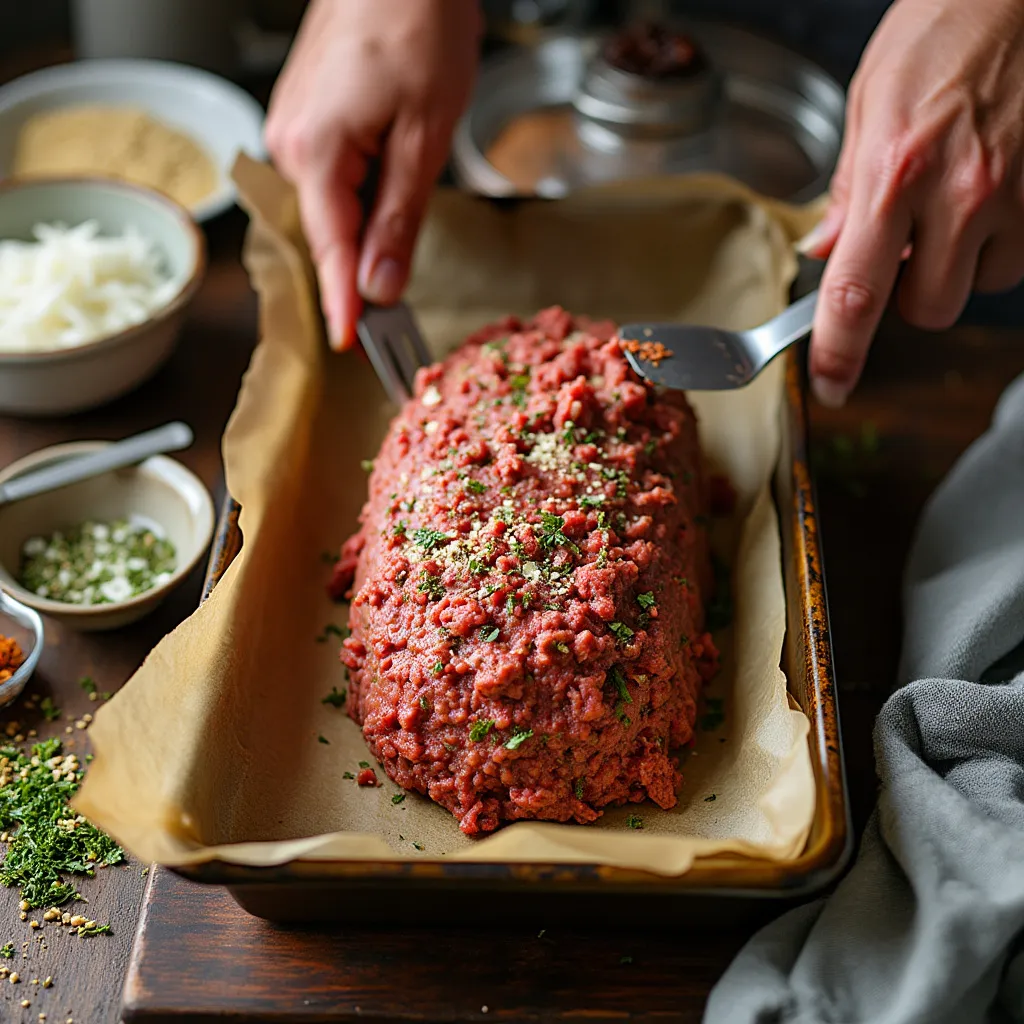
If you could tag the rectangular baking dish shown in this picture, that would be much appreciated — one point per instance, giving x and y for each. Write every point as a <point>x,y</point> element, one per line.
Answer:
<point>416,892</point>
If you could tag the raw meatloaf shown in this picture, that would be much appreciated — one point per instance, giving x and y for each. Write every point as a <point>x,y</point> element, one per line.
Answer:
<point>529,581</point>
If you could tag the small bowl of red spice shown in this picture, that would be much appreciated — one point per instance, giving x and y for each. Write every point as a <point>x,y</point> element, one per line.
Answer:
<point>21,646</point>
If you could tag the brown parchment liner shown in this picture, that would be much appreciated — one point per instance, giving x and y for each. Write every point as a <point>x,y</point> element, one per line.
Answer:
<point>213,749</point>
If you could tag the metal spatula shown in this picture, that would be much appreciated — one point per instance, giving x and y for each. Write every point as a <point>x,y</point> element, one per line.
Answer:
<point>710,359</point>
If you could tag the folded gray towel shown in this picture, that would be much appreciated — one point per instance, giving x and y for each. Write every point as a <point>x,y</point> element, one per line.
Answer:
<point>925,926</point>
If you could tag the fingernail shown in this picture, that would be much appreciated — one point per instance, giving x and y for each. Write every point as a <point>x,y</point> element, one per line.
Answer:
<point>341,339</point>
<point>830,393</point>
<point>821,233</point>
<point>333,335</point>
<point>383,284</point>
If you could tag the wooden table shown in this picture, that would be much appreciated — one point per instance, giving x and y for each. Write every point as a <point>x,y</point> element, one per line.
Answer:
<point>927,396</point>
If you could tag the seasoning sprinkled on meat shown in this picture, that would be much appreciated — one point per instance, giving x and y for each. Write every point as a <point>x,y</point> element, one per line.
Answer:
<point>527,618</point>
<point>649,351</point>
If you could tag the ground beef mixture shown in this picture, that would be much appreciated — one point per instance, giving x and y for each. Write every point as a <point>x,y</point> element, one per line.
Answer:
<point>530,579</point>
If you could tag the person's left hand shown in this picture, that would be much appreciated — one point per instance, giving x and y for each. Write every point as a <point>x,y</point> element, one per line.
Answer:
<point>931,159</point>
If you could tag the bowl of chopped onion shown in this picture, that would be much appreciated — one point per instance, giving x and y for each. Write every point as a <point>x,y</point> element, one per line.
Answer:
<point>95,278</point>
<point>103,552</point>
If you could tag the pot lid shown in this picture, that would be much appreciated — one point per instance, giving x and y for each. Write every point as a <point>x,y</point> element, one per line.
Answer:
<point>578,110</point>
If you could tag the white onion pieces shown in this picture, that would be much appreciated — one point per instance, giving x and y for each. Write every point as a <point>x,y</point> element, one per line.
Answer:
<point>72,286</point>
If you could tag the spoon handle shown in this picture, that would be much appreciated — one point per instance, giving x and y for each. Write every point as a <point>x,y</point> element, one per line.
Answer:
<point>171,437</point>
<point>790,325</point>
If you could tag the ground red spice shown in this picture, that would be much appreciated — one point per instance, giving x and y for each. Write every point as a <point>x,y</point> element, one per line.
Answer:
<point>11,657</point>
<point>649,351</point>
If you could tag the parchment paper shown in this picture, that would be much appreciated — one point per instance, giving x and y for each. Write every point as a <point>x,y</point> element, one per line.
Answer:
<point>220,745</point>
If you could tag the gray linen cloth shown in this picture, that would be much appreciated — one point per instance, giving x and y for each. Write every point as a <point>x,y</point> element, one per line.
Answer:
<point>926,927</point>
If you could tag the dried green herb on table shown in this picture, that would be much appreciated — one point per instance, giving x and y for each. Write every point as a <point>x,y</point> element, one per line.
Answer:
<point>46,839</point>
<point>50,710</point>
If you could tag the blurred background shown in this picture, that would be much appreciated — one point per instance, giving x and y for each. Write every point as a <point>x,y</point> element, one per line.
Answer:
<point>247,40</point>
<point>259,30</point>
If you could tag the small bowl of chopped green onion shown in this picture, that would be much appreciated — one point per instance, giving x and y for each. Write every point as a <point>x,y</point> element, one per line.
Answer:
<point>103,552</point>
<point>21,646</point>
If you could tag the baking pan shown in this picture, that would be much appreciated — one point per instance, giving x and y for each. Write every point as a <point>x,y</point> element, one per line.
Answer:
<point>723,887</point>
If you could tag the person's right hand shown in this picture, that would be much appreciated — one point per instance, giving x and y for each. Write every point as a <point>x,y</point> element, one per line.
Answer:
<point>387,79</point>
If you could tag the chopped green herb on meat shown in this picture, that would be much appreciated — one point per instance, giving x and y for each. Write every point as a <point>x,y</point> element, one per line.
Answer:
<point>480,729</point>
<point>427,540</point>
<point>518,738</point>
<point>551,534</point>
<point>618,678</point>
<point>646,601</point>
<point>431,586</point>
<point>561,646</point>
<point>621,631</point>
<point>489,634</point>
<point>577,788</point>
<point>475,487</point>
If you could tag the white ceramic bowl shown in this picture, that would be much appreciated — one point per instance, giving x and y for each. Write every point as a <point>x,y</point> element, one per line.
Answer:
<point>160,490</point>
<point>220,116</point>
<point>73,379</point>
<point>25,625</point>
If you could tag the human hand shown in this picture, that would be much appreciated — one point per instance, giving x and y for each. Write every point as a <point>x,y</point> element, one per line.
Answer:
<point>386,79</point>
<point>931,160</point>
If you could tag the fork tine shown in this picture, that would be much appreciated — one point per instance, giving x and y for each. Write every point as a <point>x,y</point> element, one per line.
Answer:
<point>405,355</point>
<point>419,346</point>
<point>380,359</point>
<point>395,346</point>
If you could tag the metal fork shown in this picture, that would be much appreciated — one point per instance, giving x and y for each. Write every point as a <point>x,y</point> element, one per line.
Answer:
<point>710,359</point>
<point>392,340</point>
<point>389,334</point>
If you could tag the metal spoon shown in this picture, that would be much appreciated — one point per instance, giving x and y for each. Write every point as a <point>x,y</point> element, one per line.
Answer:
<point>171,437</point>
<point>710,359</point>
